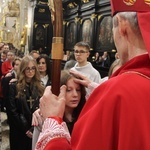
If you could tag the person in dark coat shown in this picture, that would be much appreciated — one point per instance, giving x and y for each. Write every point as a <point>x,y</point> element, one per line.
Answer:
<point>23,101</point>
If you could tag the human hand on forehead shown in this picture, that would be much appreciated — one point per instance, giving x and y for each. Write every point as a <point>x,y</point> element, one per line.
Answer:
<point>80,79</point>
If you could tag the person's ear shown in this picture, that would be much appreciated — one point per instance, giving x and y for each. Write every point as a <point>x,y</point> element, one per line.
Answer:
<point>122,25</point>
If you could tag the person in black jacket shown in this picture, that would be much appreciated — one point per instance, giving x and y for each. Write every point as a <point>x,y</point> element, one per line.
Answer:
<point>11,76</point>
<point>105,60</point>
<point>23,101</point>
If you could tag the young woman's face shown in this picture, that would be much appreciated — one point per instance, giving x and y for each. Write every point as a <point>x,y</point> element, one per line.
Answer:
<point>73,94</point>
<point>10,56</point>
<point>42,65</point>
<point>30,71</point>
<point>17,64</point>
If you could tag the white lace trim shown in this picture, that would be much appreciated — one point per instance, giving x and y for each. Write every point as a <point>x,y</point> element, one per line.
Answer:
<point>52,129</point>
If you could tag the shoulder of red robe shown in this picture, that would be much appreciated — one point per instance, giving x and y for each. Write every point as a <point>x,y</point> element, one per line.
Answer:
<point>130,5</point>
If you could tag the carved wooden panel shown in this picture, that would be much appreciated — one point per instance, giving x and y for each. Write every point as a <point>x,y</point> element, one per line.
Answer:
<point>102,2</point>
<point>87,30</point>
<point>70,8</point>
<point>104,34</point>
<point>40,35</point>
<point>42,28</point>
<point>87,4</point>
<point>71,35</point>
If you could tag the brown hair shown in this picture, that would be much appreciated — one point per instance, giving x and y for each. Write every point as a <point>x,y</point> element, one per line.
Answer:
<point>65,76</point>
<point>36,80</point>
<point>14,61</point>
<point>83,44</point>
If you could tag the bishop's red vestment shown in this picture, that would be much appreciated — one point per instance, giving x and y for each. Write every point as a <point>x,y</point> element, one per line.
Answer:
<point>117,114</point>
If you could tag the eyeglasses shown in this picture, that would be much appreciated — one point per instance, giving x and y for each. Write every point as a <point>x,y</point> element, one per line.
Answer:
<point>80,52</point>
<point>28,69</point>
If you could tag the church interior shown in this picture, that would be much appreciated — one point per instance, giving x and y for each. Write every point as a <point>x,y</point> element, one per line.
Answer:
<point>28,25</point>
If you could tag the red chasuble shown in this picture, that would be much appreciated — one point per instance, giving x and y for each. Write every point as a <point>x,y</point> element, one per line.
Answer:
<point>117,114</point>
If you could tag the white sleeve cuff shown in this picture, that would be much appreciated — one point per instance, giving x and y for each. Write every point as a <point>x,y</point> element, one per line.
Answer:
<point>52,129</point>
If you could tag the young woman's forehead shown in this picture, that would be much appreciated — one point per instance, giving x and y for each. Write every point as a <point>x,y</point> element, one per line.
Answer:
<point>71,82</point>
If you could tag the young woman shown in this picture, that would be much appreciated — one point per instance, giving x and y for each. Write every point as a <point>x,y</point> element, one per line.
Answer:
<point>44,67</point>
<point>75,100</point>
<point>23,101</point>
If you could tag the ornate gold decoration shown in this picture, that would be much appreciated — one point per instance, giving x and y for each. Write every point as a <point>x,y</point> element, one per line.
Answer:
<point>35,24</point>
<point>64,22</point>
<point>51,5</point>
<point>42,10</point>
<point>0,39</point>
<point>72,5</point>
<point>12,10</point>
<point>114,50</point>
<point>93,16</point>
<point>3,21</point>
<point>52,9</point>
<point>23,37</point>
<point>43,3</point>
<point>77,19</point>
<point>147,2</point>
<point>129,2</point>
<point>67,23</point>
<point>99,17</point>
<point>45,25</point>
<point>85,1</point>
<point>81,21</point>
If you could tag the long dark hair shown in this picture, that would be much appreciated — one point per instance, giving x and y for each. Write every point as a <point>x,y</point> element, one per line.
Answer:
<point>48,64</point>
<point>65,76</point>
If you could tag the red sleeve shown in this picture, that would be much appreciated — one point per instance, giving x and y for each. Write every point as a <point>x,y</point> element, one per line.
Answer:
<point>4,70</point>
<point>58,144</point>
<point>6,67</point>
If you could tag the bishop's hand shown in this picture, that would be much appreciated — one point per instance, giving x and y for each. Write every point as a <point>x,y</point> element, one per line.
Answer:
<point>52,105</point>
<point>80,79</point>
